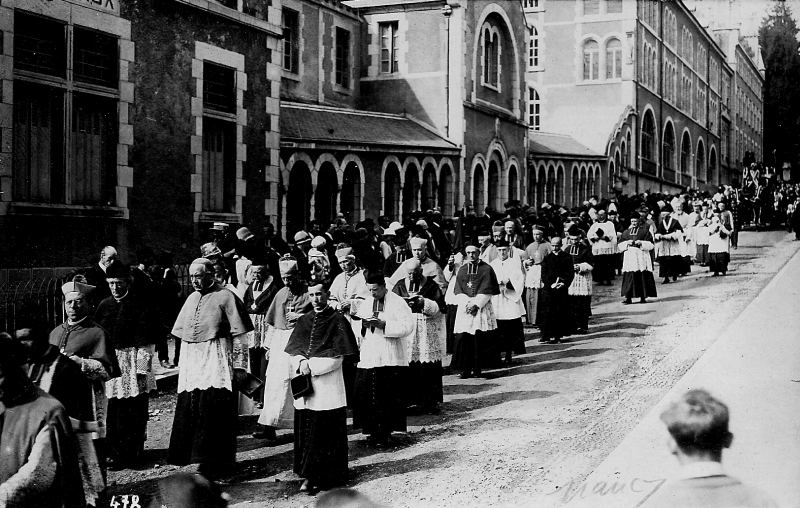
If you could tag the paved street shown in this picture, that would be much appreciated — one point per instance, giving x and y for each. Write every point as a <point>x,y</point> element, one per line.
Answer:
<point>528,435</point>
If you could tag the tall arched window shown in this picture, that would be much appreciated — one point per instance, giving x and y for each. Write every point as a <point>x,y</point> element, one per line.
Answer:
<point>491,56</point>
<point>648,137</point>
<point>534,109</point>
<point>591,60</point>
<point>668,152</point>
<point>533,48</point>
<point>613,59</point>
<point>477,190</point>
<point>686,154</point>
<point>700,162</point>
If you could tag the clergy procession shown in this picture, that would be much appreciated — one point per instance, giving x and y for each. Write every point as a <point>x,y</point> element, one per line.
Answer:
<point>343,328</point>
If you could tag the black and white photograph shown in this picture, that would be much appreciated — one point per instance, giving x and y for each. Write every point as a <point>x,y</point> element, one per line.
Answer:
<point>399,253</point>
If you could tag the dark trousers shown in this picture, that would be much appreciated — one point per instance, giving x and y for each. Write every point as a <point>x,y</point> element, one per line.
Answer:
<point>127,428</point>
<point>258,367</point>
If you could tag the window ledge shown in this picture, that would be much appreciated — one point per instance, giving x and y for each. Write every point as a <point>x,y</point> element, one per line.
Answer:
<point>234,15</point>
<point>490,86</point>
<point>62,210</point>
<point>291,76</point>
<point>235,218</point>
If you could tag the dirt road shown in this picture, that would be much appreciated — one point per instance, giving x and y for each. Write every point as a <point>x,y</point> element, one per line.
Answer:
<point>525,432</point>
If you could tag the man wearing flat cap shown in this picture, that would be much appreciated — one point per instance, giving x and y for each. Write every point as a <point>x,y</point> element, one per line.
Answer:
<point>386,322</point>
<point>87,344</point>
<point>212,326</point>
<point>132,325</point>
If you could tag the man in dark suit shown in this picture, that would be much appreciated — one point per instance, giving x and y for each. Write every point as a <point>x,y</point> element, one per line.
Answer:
<point>96,274</point>
<point>557,274</point>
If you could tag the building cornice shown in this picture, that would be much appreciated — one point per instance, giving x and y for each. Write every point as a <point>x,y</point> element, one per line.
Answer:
<point>234,15</point>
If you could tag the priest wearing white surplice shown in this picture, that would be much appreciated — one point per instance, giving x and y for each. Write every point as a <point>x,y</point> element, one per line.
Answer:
<point>508,306</point>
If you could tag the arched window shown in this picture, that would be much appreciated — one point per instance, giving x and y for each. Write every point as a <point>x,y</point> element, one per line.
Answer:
<point>391,191</point>
<point>351,193</point>
<point>712,167</point>
<point>575,187</point>
<point>411,189</point>
<point>668,152</point>
<point>534,109</point>
<point>613,59</point>
<point>428,188</point>
<point>513,183</point>
<point>591,60</point>
<point>551,185</point>
<point>533,48</point>
<point>477,190</point>
<point>446,190</point>
<point>493,191</point>
<point>491,56</point>
<point>648,137</point>
<point>325,194</point>
<point>560,186</point>
<point>686,154</point>
<point>700,162</point>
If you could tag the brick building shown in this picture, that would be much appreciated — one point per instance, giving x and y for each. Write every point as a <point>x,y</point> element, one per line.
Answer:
<point>134,123</point>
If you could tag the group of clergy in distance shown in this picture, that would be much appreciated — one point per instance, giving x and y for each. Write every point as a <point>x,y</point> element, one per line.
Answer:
<point>307,345</point>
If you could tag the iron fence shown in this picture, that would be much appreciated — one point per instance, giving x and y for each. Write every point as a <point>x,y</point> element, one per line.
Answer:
<point>41,287</point>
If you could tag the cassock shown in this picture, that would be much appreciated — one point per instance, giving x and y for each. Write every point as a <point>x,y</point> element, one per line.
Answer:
<point>475,284</point>
<point>257,299</point>
<point>669,235</point>
<point>133,327</point>
<point>211,325</point>
<point>636,243</point>
<point>379,406</point>
<point>535,252</point>
<point>278,409</point>
<point>580,290</point>
<point>450,300</point>
<point>98,362</point>
<point>556,267</point>
<point>507,305</point>
<point>426,346</point>
<point>719,238</point>
<point>603,238</point>
<point>325,339</point>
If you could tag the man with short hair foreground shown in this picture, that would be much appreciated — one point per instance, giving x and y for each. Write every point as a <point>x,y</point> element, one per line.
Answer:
<point>698,428</point>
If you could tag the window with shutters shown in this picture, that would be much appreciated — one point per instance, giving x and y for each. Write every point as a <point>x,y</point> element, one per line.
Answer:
<point>66,124</point>
<point>388,33</point>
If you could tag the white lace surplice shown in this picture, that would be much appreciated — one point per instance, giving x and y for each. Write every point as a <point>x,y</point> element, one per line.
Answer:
<point>130,383</point>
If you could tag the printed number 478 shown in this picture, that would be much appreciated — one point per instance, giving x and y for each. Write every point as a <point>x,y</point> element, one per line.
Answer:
<point>125,501</point>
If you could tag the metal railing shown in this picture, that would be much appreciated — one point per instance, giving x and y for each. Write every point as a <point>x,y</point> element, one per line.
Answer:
<point>41,287</point>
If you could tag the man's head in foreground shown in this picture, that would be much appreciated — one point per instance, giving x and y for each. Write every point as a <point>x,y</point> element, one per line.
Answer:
<point>698,427</point>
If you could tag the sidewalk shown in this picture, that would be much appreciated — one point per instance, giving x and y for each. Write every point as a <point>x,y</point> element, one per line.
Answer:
<point>754,367</point>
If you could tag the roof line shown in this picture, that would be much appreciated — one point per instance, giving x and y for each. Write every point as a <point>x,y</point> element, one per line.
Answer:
<point>346,111</point>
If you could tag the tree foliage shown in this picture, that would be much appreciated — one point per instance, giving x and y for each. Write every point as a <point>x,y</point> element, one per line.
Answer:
<point>780,52</point>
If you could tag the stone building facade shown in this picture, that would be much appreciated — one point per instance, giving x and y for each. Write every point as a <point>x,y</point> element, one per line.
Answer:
<point>642,83</point>
<point>134,123</point>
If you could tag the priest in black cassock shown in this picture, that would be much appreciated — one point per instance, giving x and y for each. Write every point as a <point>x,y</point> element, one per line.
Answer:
<point>475,285</point>
<point>320,343</point>
<point>580,290</point>
<point>557,274</point>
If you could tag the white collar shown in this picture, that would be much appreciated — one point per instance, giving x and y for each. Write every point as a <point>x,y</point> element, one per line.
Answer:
<point>73,323</point>
<point>701,469</point>
<point>101,266</point>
